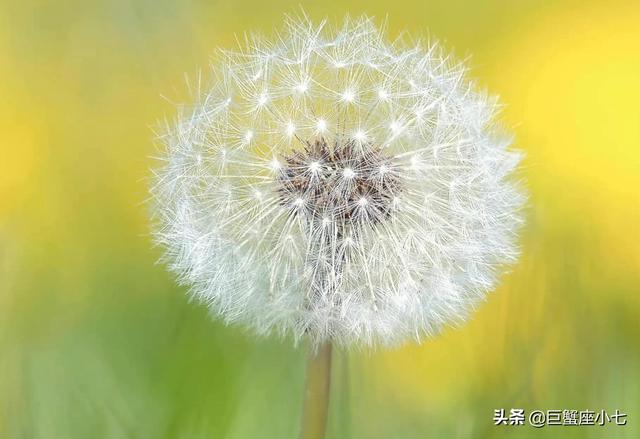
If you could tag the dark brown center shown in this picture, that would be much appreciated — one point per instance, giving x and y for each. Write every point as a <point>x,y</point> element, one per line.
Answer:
<point>350,182</point>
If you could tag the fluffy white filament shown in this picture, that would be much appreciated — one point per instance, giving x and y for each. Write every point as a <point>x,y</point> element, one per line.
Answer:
<point>412,225</point>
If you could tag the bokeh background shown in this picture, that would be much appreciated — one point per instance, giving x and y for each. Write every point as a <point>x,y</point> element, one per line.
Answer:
<point>96,340</point>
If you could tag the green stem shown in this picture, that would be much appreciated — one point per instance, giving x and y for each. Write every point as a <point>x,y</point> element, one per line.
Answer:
<point>316,395</point>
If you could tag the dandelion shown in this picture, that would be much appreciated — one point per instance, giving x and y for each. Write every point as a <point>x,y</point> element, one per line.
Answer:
<point>333,186</point>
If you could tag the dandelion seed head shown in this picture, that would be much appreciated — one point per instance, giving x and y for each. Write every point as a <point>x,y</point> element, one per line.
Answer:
<point>333,185</point>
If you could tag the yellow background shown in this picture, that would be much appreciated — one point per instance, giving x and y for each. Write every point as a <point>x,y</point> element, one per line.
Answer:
<point>96,340</point>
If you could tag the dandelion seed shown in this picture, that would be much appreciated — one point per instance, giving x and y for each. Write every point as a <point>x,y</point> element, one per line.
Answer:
<point>262,99</point>
<point>302,88</point>
<point>290,129</point>
<point>360,136</point>
<point>314,167</point>
<point>321,125</point>
<point>275,165</point>
<point>348,173</point>
<point>348,96</point>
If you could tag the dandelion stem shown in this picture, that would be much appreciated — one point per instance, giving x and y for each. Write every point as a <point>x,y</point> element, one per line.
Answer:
<point>316,394</point>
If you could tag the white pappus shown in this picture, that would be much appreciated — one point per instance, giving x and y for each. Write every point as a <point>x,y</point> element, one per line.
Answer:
<point>334,185</point>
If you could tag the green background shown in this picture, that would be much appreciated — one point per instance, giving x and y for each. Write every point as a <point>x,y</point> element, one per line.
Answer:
<point>97,341</point>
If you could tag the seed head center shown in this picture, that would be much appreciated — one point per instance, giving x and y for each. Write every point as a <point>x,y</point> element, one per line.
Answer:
<point>349,182</point>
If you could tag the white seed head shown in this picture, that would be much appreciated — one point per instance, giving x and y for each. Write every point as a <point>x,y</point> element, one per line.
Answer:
<point>334,186</point>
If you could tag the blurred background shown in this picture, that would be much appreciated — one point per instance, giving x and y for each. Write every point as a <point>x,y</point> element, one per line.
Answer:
<point>96,340</point>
